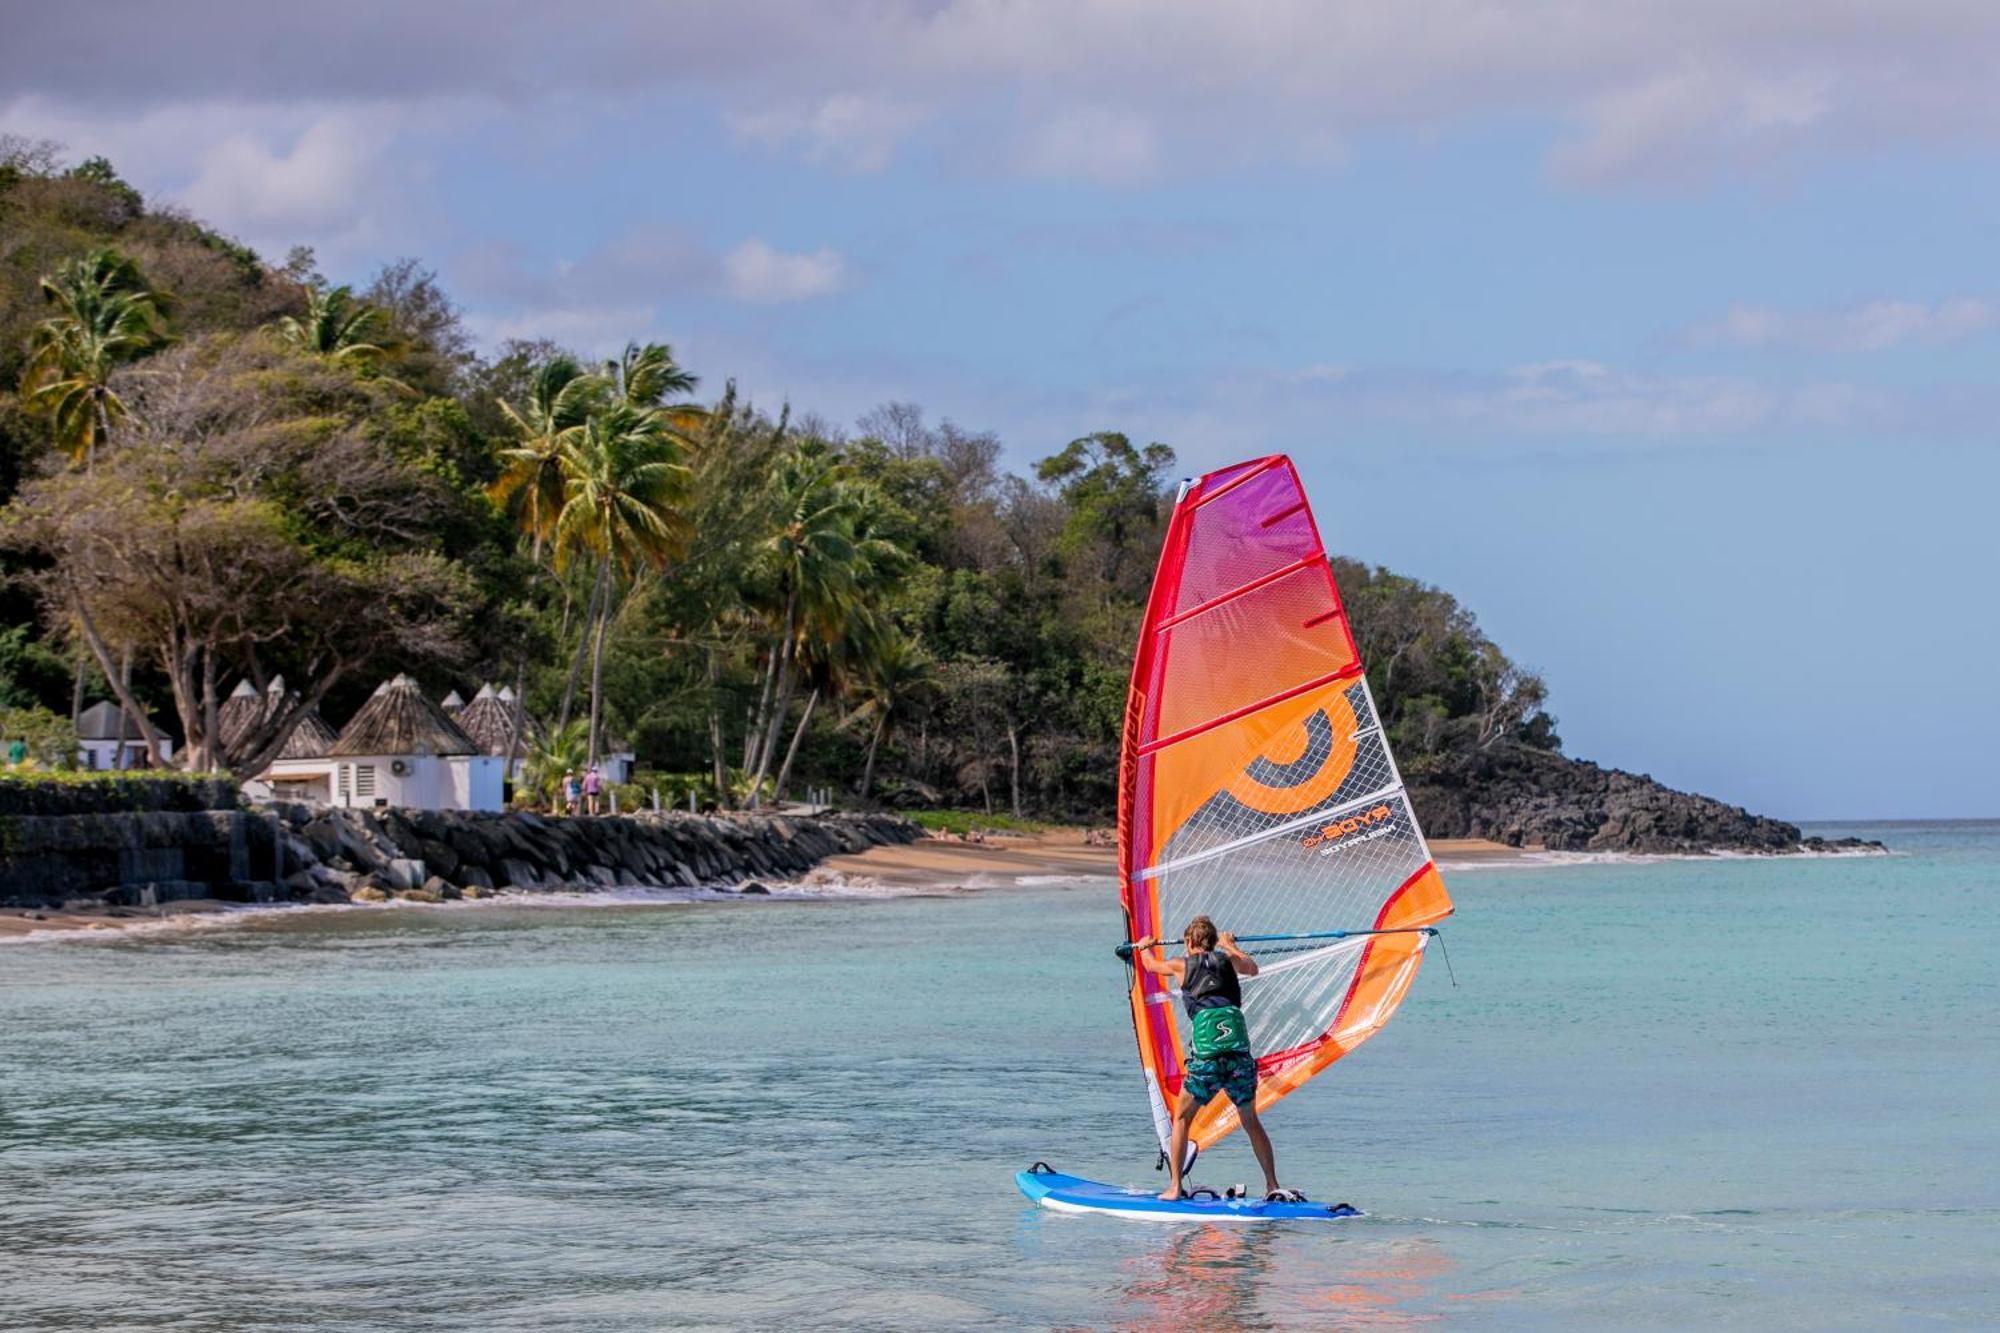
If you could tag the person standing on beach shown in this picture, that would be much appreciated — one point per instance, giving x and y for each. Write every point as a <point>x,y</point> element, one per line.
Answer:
<point>569,791</point>
<point>1220,1057</point>
<point>592,785</point>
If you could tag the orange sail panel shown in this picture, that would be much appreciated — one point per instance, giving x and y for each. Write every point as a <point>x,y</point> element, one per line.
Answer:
<point>1256,787</point>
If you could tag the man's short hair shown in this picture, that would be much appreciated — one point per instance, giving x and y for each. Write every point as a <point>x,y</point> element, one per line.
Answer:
<point>1200,933</point>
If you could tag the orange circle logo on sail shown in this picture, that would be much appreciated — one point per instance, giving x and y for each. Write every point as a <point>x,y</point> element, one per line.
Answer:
<point>1303,758</point>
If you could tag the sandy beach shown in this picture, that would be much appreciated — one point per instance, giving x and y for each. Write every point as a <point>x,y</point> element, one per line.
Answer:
<point>947,862</point>
<point>18,921</point>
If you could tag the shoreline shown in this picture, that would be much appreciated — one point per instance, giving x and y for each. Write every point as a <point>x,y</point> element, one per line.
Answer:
<point>930,865</point>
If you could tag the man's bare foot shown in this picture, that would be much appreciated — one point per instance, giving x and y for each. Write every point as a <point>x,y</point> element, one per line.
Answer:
<point>1171,1195</point>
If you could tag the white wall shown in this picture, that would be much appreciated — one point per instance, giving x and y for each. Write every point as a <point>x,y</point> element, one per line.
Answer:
<point>429,783</point>
<point>103,755</point>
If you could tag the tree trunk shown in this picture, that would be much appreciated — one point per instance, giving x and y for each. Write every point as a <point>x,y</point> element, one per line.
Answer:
<point>780,710</point>
<point>753,726</point>
<point>755,744</point>
<point>154,741</point>
<point>518,720</point>
<point>125,721</point>
<point>1014,766</point>
<point>76,687</point>
<point>597,674</point>
<point>582,649</point>
<point>792,751</point>
<point>780,707</point>
<point>103,428</point>
<point>715,735</point>
<point>874,743</point>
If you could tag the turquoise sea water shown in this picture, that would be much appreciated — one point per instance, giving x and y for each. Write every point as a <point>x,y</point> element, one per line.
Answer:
<point>1735,1093</point>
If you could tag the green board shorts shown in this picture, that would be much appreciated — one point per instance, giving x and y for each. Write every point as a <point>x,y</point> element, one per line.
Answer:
<point>1232,1072</point>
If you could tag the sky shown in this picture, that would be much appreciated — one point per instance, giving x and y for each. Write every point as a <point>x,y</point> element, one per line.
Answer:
<point>1661,334</point>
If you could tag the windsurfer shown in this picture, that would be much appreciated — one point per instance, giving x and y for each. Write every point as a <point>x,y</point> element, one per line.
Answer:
<point>1220,1060</point>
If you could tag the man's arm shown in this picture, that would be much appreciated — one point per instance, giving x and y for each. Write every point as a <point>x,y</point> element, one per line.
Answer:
<point>1142,950</point>
<point>1246,966</point>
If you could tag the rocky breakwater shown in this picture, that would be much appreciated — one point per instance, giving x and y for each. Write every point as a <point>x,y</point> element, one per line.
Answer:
<point>131,841</point>
<point>433,855</point>
<point>1529,798</point>
<point>110,859</point>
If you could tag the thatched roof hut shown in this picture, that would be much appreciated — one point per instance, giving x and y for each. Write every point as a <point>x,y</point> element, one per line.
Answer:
<point>490,721</point>
<point>451,703</point>
<point>311,738</point>
<point>400,720</point>
<point>239,712</point>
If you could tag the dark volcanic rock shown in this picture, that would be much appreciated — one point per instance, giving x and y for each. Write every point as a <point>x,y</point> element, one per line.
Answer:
<point>1528,798</point>
<point>323,854</point>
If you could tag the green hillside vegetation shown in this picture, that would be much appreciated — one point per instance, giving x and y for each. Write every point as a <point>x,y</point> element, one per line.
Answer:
<point>214,467</point>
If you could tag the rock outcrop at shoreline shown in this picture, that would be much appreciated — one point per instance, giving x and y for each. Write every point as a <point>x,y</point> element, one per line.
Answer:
<point>1527,798</point>
<point>298,853</point>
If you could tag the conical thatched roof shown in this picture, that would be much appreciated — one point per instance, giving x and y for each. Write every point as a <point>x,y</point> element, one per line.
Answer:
<point>451,703</point>
<point>400,719</point>
<point>311,738</point>
<point>489,721</point>
<point>239,712</point>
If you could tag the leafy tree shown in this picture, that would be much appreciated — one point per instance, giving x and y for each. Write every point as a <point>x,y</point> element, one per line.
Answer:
<point>104,317</point>
<point>248,525</point>
<point>339,327</point>
<point>560,398</point>
<point>894,677</point>
<point>623,485</point>
<point>560,751</point>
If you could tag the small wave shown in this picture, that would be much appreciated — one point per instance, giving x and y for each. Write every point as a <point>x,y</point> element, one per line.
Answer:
<point>1527,860</point>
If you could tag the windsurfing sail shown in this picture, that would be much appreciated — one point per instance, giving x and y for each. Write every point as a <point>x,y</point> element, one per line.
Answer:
<point>1256,787</point>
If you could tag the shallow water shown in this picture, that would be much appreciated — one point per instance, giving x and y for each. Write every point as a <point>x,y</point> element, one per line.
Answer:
<point>1725,1093</point>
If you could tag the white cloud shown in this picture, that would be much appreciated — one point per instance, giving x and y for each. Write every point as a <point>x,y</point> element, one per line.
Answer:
<point>1111,91</point>
<point>1103,145</point>
<point>853,131</point>
<point>755,272</point>
<point>312,185</point>
<point>1872,326</point>
<point>273,176</point>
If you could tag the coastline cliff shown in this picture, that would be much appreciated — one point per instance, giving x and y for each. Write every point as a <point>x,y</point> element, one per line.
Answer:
<point>1527,797</point>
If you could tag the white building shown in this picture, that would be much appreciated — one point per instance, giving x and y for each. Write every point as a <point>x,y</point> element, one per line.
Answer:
<point>401,750</point>
<point>109,741</point>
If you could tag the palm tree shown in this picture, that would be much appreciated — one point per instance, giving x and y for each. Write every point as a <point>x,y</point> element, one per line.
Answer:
<point>624,486</point>
<point>892,674</point>
<point>810,558</point>
<point>564,750</point>
<point>339,327</point>
<point>105,316</point>
<point>645,376</point>
<point>839,618</point>
<point>561,396</point>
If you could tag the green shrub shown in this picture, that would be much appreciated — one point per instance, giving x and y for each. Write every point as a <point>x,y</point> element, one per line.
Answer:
<point>47,740</point>
<point>963,822</point>
<point>41,791</point>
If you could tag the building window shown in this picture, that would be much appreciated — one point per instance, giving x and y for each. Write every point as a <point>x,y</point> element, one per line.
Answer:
<point>364,779</point>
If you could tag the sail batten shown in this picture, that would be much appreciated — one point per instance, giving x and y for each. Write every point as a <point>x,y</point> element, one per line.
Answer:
<point>1250,839</point>
<point>1256,787</point>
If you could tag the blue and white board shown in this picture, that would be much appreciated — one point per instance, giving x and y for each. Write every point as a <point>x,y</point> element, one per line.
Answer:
<point>1072,1194</point>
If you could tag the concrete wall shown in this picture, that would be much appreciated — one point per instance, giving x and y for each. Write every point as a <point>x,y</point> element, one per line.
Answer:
<point>428,782</point>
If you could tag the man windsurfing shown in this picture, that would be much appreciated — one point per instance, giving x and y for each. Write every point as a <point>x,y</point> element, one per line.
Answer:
<point>1219,1055</point>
